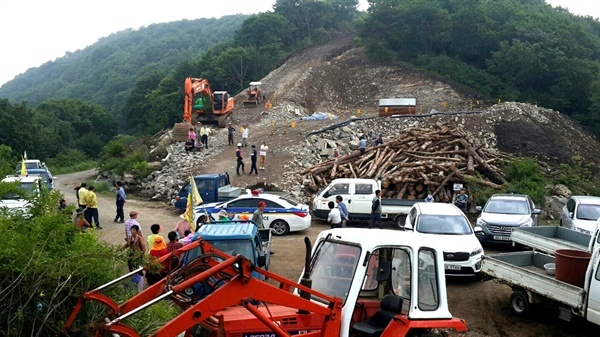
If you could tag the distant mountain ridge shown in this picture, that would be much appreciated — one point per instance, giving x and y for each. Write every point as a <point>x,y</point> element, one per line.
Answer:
<point>105,72</point>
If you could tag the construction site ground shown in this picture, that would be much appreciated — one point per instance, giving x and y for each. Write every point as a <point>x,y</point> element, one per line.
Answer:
<point>336,78</point>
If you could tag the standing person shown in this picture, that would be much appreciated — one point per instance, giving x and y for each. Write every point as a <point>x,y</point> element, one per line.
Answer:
<point>264,148</point>
<point>258,216</point>
<point>121,197</point>
<point>334,217</point>
<point>230,131</point>
<point>132,221</point>
<point>81,192</point>
<point>159,249</point>
<point>376,210</point>
<point>343,209</point>
<point>174,243</point>
<point>240,159</point>
<point>245,136</point>
<point>461,200</point>
<point>192,136</point>
<point>137,248</point>
<point>204,133</point>
<point>362,144</point>
<point>155,229</point>
<point>253,159</point>
<point>182,226</point>
<point>91,203</point>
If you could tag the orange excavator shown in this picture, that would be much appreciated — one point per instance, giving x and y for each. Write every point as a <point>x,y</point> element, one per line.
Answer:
<point>356,283</point>
<point>201,104</point>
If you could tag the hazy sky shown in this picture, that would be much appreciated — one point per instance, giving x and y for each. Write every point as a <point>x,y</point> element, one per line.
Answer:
<point>33,32</point>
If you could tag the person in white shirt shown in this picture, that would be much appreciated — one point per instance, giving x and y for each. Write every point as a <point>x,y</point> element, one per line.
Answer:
<point>335,217</point>
<point>262,155</point>
<point>245,137</point>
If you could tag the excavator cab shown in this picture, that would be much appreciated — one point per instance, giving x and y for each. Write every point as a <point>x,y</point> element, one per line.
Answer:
<point>254,95</point>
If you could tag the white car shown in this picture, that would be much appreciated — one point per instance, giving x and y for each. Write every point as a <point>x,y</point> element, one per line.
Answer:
<point>282,214</point>
<point>15,203</point>
<point>580,213</point>
<point>448,226</point>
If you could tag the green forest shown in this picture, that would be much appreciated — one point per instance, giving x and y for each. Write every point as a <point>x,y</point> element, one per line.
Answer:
<point>131,82</point>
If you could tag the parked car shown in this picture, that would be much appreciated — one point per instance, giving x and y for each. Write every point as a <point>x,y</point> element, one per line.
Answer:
<point>282,214</point>
<point>580,213</point>
<point>450,226</point>
<point>501,214</point>
<point>16,203</point>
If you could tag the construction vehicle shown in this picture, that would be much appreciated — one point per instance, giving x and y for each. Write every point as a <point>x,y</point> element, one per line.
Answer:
<point>254,95</point>
<point>356,282</point>
<point>201,104</point>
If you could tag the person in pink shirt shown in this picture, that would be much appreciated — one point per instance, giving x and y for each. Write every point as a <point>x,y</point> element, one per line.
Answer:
<point>182,226</point>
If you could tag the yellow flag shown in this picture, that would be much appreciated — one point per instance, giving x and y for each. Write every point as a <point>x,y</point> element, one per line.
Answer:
<point>23,169</point>
<point>194,189</point>
<point>189,212</point>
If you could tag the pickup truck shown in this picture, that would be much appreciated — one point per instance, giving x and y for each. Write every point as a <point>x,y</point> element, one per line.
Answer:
<point>358,195</point>
<point>549,239</point>
<point>211,187</point>
<point>237,237</point>
<point>524,273</point>
<point>13,202</point>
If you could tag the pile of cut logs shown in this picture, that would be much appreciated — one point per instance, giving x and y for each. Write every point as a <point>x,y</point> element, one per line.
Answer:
<point>416,163</point>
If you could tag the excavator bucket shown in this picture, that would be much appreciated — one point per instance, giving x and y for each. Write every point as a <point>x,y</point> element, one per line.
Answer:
<point>180,132</point>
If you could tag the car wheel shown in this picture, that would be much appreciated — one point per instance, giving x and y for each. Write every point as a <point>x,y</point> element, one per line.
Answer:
<point>280,228</point>
<point>399,221</point>
<point>200,222</point>
<point>519,302</point>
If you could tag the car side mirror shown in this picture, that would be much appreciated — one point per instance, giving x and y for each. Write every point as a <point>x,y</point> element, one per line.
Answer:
<point>261,261</point>
<point>478,229</point>
<point>571,215</point>
<point>537,211</point>
<point>478,208</point>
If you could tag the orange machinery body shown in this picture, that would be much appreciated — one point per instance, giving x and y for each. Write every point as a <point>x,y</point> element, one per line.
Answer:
<point>241,306</point>
<point>215,104</point>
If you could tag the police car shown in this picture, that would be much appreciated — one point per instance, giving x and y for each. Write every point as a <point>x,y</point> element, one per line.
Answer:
<point>282,214</point>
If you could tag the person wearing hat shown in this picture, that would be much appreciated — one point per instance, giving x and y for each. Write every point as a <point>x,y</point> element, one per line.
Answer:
<point>230,132</point>
<point>258,214</point>
<point>159,249</point>
<point>223,215</point>
<point>79,221</point>
<point>182,226</point>
<point>240,159</point>
<point>131,222</point>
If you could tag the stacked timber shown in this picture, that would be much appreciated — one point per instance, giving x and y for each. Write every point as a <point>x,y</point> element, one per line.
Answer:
<point>416,163</point>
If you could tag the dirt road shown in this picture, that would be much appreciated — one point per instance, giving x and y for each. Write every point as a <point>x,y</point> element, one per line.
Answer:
<point>483,304</point>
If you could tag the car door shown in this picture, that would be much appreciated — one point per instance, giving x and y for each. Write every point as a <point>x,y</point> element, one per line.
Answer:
<point>272,212</point>
<point>361,198</point>
<point>593,309</point>
<point>334,190</point>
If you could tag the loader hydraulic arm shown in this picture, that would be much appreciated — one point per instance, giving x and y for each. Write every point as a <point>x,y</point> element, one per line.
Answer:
<point>231,283</point>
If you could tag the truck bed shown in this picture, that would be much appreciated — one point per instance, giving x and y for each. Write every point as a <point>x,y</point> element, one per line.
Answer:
<point>526,270</point>
<point>549,239</point>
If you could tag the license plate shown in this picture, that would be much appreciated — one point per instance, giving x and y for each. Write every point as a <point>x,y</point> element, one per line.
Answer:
<point>451,267</point>
<point>501,238</point>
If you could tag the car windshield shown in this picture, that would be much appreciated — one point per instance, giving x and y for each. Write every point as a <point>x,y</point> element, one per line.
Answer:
<point>27,187</point>
<point>443,224</point>
<point>333,268</point>
<point>588,212</point>
<point>231,247</point>
<point>505,206</point>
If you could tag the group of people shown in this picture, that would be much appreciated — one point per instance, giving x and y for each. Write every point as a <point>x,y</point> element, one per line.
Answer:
<point>338,212</point>
<point>87,211</point>
<point>255,156</point>
<point>198,137</point>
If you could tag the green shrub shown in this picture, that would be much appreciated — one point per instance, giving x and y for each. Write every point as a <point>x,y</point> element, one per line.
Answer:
<point>99,186</point>
<point>525,177</point>
<point>141,169</point>
<point>478,192</point>
<point>579,177</point>
<point>70,161</point>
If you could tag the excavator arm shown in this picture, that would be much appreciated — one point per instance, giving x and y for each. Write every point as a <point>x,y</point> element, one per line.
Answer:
<point>230,282</point>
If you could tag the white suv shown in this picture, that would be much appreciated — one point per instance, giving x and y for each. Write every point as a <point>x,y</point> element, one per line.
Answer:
<point>448,226</point>
<point>15,203</point>
<point>581,213</point>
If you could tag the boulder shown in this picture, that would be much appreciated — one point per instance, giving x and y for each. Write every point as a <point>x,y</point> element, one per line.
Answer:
<point>553,206</point>
<point>353,145</point>
<point>561,191</point>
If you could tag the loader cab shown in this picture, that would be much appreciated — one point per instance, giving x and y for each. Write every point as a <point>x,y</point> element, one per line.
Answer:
<point>397,273</point>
